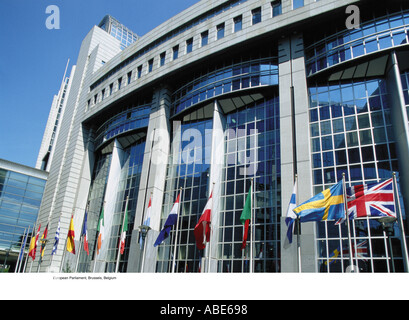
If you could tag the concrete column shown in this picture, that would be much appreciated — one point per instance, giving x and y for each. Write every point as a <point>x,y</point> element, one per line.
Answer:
<point>399,123</point>
<point>216,169</point>
<point>295,149</point>
<point>157,151</point>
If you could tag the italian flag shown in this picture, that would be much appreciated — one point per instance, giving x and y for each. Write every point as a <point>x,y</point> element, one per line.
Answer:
<point>246,217</point>
<point>100,230</point>
<point>124,229</point>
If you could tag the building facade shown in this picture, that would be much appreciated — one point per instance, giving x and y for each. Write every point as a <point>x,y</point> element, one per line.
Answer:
<point>223,95</point>
<point>21,191</point>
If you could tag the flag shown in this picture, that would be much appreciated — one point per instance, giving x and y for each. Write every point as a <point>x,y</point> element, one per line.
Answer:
<point>56,238</point>
<point>246,217</point>
<point>100,231</point>
<point>170,221</point>
<point>124,229</point>
<point>202,229</point>
<point>43,242</point>
<point>372,200</point>
<point>84,233</point>
<point>33,245</point>
<point>70,237</point>
<point>291,216</point>
<point>147,221</point>
<point>325,206</point>
<point>361,252</point>
<point>23,247</point>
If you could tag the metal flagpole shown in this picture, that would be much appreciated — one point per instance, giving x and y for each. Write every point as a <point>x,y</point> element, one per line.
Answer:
<point>147,228</point>
<point>81,239</point>
<point>351,263</point>
<point>119,243</point>
<point>298,225</point>
<point>65,245</point>
<point>252,226</point>
<point>24,247</point>
<point>209,247</point>
<point>96,240</point>
<point>397,201</point>
<point>176,233</point>
<point>28,251</point>
<point>19,255</point>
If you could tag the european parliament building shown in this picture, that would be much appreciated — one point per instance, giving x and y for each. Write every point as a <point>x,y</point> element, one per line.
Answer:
<point>224,95</point>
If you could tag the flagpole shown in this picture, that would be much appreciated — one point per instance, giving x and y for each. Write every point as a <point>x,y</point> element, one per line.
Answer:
<point>144,240</point>
<point>24,247</point>
<point>32,235</point>
<point>28,252</point>
<point>209,247</point>
<point>176,233</point>
<point>252,225</point>
<point>298,224</point>
<point>66,240</point>
<point>19,255</point>
<point>405,248</point>
<point>119,243</point>
<point>348,223</point>
<point>96,246</point>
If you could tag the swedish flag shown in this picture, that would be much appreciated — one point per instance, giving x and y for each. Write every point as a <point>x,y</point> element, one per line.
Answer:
<point>327,205</point>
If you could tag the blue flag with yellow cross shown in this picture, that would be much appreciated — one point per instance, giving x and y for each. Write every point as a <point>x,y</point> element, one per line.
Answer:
<point>325,206</point>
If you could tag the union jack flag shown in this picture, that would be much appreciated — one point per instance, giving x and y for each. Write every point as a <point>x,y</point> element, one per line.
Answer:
<point>372,200</point>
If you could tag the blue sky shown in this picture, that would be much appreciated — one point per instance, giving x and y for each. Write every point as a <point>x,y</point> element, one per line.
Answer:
<point>33,58</point>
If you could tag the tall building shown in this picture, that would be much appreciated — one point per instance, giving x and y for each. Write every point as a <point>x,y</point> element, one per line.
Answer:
<point>223,95</point>
<point>21,191</point>
<point>118,30</point>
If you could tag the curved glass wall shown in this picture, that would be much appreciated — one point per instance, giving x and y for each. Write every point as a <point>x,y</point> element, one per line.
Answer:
<point>252,144</point>
<point>351,133</point>
<point>131,170</point>
<point>95,204</point>
<point>128,187</point>
<point>131,119</point>
<point>376,35</point>
<point>249,74</point>
<point>189,168</point>
<point>405,86</point>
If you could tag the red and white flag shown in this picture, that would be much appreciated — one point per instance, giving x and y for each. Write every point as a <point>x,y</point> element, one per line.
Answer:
<point>202,229</point>
<point>124,229</point>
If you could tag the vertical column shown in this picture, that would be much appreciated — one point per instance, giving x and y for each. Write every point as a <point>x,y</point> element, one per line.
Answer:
<point>111,192</point>
<point>400,123</point>
<point>295,148</point>
<point>215,181</point>
<point>152,181</point>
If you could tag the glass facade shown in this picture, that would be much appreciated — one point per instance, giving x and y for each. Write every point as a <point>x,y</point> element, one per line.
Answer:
<point>352,133</point>
<point>189,169</point>
<point>128,187</point>
<point>244,75</point>
<point>348,127</point>
<point>252,144</point>
<point>118,31</point>
<point>95,206</point>
<point>378,34</point>
<point>405,86</point>
<point>20,200</point>
<point>133,118</point>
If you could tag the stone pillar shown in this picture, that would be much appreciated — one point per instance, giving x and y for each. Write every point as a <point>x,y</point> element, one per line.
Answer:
<point>152,182</point>
<point>295,149</point>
